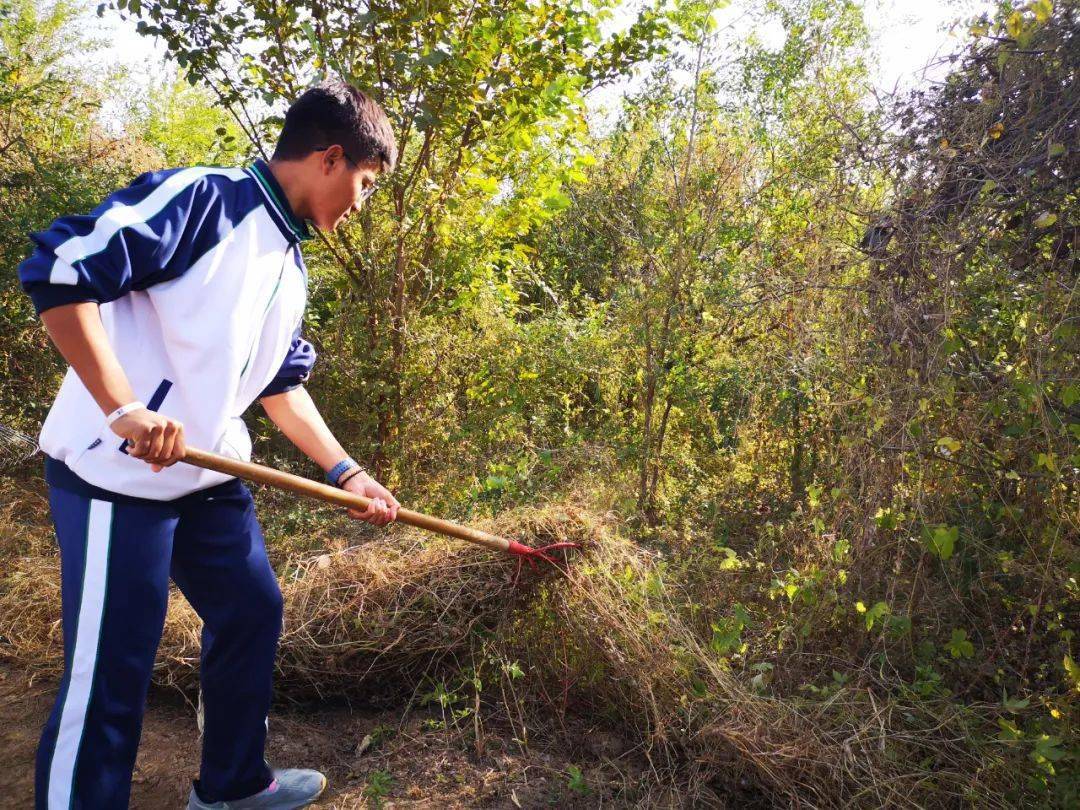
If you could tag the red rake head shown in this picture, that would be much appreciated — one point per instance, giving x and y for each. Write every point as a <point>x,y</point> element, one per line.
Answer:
<point>531,555</point>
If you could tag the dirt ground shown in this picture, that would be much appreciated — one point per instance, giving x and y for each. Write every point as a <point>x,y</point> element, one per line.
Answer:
<point>408,761</point>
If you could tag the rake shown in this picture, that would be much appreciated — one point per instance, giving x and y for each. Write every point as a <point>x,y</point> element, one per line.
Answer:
<point>16,447</point>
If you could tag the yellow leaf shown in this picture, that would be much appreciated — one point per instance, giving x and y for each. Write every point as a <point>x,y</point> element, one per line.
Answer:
<point>1014,25</point>
<point>949,443</point>
<point>1042,9</point>
<point>1045,220</point>
<point>997,130</point>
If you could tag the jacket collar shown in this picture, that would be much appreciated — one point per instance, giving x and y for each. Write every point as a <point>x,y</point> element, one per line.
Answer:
<point>294,228</point>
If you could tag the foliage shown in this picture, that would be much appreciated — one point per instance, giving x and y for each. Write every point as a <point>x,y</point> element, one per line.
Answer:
<point>486,101</point>
<point>187,127</point>
<point>815,354</point>
<point>57,157</point>
<point>378,787</point>
<point>54,157</point>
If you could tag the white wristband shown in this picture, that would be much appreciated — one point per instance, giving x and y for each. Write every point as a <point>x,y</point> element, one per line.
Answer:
<point>123,410</point>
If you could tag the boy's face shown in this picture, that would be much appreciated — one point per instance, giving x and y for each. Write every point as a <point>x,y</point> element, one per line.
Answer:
<point>341,187</point>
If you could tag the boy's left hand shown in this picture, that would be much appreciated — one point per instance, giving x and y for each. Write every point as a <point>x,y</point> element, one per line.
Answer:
<point>383,507</point>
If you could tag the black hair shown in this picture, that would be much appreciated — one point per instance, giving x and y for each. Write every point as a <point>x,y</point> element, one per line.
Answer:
<point>335,112</point>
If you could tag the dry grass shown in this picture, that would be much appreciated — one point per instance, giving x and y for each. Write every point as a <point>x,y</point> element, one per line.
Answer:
<point>605,640</point>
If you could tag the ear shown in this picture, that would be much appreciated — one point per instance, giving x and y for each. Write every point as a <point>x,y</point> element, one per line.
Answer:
<point>331,158</point>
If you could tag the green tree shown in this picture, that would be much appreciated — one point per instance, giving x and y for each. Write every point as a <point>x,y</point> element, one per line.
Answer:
<point>486,100</point>
<point>187,126</point>
<point>55,158</point>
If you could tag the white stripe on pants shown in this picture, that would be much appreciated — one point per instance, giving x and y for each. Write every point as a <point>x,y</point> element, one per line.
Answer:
<point>84,656</point>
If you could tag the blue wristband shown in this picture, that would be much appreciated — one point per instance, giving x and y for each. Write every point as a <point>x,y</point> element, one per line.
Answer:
<point>335,472</point>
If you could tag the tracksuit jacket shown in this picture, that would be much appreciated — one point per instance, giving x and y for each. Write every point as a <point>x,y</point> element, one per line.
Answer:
<point>201,288</point>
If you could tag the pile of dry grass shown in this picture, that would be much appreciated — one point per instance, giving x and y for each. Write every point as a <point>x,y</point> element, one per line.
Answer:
<point>604,640</point>
<point>368,619</point>
<point>375,619</point>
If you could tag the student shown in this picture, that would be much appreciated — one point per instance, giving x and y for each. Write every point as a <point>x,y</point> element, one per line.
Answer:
<point>177,303</point>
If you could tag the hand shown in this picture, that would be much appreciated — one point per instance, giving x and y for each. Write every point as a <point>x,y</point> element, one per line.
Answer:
<point>156,439</point>
<point>383,507</point>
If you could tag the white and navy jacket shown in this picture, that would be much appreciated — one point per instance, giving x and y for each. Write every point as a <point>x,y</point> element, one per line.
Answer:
<point>202,290</point>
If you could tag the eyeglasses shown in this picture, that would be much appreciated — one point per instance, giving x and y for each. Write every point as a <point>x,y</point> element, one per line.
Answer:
<point>367,192</point>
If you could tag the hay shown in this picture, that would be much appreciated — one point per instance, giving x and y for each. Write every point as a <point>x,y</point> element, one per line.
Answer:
<point>352,618</point>
<point>606,641</point>
<point>373,620</point>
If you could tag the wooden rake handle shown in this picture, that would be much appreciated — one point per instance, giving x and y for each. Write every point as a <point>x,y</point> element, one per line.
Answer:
<point>324,492</point>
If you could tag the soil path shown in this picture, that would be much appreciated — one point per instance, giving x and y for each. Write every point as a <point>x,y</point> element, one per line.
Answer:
<point>410,761</point>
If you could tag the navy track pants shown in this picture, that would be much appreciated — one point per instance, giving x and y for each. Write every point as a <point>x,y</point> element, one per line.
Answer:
<point>117,554</point>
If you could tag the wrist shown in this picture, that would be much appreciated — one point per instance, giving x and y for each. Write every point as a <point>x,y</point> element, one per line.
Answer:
<point>354,473</point>
<point>123,411</point>
<point>339,470</point>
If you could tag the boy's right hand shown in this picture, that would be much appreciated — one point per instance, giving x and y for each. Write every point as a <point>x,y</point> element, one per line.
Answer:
<point>156,439</point>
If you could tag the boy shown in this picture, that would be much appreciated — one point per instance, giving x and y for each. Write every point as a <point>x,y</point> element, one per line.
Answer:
<point>177,303</point>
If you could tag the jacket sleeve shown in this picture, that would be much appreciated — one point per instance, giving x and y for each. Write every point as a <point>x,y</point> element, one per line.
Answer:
<point>150,232</point>
<point>294,370</point>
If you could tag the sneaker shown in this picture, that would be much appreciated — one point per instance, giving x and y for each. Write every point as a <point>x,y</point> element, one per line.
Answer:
<point>292,788</point>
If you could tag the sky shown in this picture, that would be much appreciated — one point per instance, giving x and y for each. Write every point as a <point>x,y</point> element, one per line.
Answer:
<point>907,38</point>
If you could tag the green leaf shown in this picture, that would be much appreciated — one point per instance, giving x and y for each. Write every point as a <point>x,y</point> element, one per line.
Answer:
<point>941,540</point>
<point>1009,730</point>
<point>959,646</point>
<point>1046,460</point>
<point>1047,748</point>
<point>514,671</point>
<point>886,518</point>
<point>556,201</point>
<point>727,632</point>
<point>489,185</point>
<point>731,561</point>
<point>1015,705</point>
<point>871,615</point>
<point>576,782</point>
<point>435,57</point>
<point>840,549</point>
<point>898,626</point>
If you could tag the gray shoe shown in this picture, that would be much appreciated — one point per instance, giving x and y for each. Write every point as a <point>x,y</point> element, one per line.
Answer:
<point>292,788</point>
